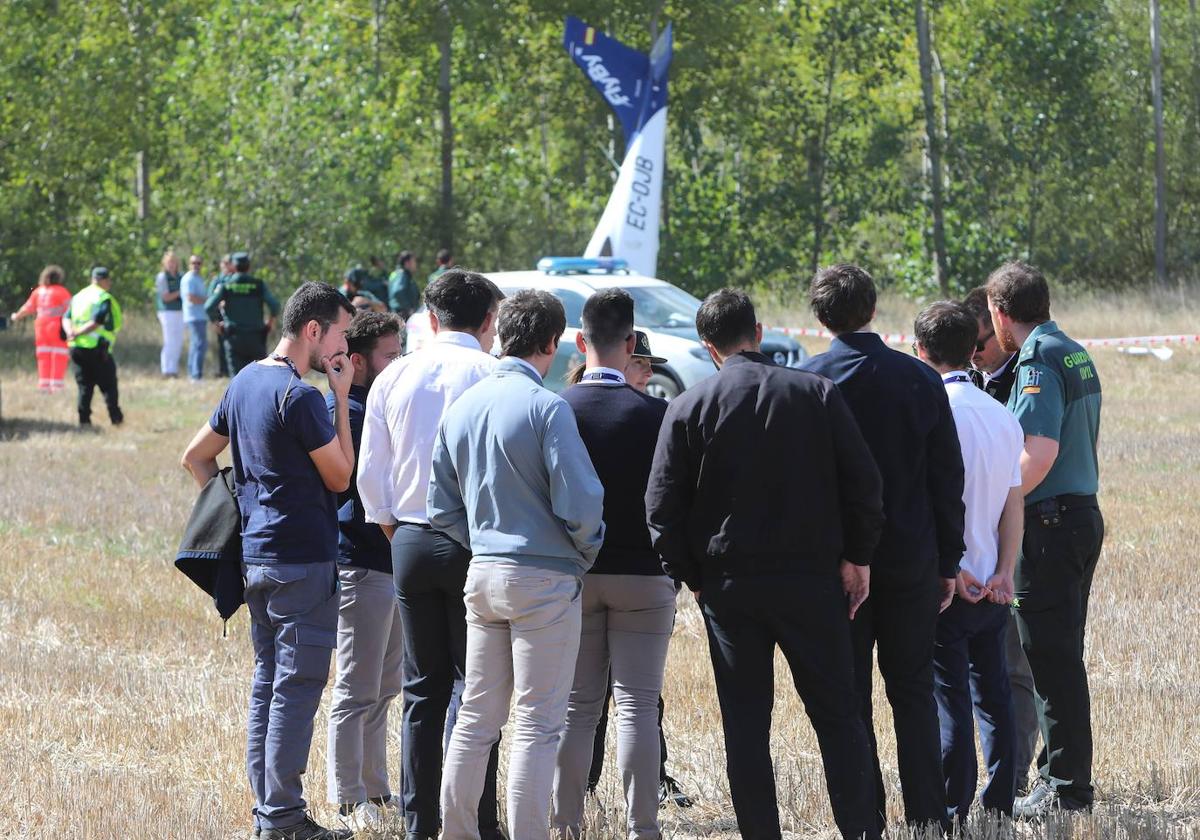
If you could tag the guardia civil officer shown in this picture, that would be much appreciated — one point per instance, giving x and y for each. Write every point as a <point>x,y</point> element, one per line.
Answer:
<point>289,461</point>
<point>902,410</point>
<point>91,325</point>
<point>1056,398</point>
<point>236,304</point>
<point>769,558</point>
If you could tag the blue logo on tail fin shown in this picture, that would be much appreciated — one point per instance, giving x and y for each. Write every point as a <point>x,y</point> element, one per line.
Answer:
<point>633,84</point>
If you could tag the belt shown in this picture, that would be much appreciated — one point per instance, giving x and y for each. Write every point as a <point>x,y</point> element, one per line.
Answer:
<point>1064,503</point>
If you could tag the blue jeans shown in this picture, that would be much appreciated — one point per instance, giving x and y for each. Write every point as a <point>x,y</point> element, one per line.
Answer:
<point>971,675</point>
<point>293,626</point>
<point>197,345</point>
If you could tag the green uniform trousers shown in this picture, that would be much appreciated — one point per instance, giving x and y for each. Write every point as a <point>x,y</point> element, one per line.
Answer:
<point>244,346</point>
<point>1053,580</point>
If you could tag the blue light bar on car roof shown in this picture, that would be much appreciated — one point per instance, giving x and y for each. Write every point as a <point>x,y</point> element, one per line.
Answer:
<point>580,265</point>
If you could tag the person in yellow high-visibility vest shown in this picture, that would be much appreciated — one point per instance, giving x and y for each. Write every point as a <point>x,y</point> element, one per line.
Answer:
<point>91,325</point>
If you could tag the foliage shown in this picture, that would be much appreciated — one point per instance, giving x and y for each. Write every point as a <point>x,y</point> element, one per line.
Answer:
<point>310,135</point>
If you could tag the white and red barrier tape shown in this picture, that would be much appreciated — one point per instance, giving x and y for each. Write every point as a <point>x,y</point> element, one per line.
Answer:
<point>903,339</point>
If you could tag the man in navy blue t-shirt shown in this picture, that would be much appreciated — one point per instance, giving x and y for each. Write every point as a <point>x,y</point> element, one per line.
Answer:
<point>289,461</point>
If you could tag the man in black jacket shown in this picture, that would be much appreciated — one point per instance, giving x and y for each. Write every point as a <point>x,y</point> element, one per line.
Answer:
<point>761,486</point>
<point>996,367</point>
<point>902,411</point>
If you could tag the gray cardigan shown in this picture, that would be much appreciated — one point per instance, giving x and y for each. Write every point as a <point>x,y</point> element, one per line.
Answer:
<point>512,479</point>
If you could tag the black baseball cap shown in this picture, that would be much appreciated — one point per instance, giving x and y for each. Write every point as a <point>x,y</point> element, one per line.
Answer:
<point>642,349</point>
<point>99,273</point>
<point>241,260</point>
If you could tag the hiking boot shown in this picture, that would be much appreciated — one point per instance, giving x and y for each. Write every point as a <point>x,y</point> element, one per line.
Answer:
<point>306,829</point>
<point>1043,800</point>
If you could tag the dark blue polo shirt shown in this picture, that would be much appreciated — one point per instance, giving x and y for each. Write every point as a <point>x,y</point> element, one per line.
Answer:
<point>360,543</point>
<point>273,419</point>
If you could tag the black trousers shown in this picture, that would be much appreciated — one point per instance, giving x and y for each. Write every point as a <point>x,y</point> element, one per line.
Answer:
<point>222,354</point>
<point>430,572</point>
<point>95,368</point>
<point>902,623</point>
<point>805,615</point>
<point>1052,584</point>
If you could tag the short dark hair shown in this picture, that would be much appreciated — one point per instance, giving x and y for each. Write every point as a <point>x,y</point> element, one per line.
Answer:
<point>462,299</point>
<point>947,332</point>
<point>1019,290</point>
<point>726,318</point>
<point>367,328</point>
<point>842,297</point>
<point>403,257</point>
<point>529,321</point>
<point>607,318</point>
<point>976,303</point>
<point>313,302</point>
<point>443,256</point>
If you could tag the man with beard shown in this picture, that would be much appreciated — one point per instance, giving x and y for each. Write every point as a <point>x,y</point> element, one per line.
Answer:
<point>370,646</point>
<point>289,461</point>
<point>1056,398</point>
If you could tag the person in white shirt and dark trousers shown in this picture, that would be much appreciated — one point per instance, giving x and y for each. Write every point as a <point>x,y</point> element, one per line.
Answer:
<point>512,480</point>
<point>970,667</point>
<point>404,412</point>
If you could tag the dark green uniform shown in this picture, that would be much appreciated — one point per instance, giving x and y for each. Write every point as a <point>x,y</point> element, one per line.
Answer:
<point>222,353</point>
<point>238,301</point>
<point>1056,395</point>
<point>404,298</point>
<point>374,284</point>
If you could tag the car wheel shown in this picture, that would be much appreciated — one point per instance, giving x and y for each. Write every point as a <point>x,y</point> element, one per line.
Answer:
<point>663,386</point>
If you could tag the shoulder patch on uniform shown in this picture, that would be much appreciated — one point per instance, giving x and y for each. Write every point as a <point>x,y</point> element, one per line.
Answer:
<point>1032,377</point>
<point>1031,389</point>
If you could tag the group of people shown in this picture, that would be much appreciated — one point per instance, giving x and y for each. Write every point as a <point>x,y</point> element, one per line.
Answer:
<point>489,551</point>
<point>81,328</point>
<point>239,306</point>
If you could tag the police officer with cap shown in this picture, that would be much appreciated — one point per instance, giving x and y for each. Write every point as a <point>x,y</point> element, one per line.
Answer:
<point>641,364</point>
<point>1056,398</point>
<point>236,305</point>
<point>91,326</point>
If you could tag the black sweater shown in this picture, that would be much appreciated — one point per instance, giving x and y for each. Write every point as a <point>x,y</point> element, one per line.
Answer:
<point>619,426</point>
<point>759,470</point>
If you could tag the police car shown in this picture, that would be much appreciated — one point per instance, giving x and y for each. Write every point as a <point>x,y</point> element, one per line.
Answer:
<point>665,312</point>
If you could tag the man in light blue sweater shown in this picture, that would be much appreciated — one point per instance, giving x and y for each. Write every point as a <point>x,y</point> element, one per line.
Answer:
<point>513,482</point>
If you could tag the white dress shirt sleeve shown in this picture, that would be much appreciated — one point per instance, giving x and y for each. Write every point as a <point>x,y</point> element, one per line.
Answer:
<point>375,462</point>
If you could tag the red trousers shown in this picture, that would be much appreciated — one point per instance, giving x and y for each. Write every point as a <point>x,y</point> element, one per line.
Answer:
<point>52,353</point>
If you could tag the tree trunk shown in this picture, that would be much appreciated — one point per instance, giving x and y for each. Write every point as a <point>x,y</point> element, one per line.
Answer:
<point>817,167</point>
<point>933,147</point>
<point>446,232</point>
<point>1160,154</point>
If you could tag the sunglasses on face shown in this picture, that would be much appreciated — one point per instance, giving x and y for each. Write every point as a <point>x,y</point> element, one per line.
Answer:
<point>982,343</point>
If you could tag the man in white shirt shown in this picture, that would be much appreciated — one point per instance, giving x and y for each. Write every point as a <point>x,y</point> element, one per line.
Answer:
<point>969,658</point>
<point>404,412</point>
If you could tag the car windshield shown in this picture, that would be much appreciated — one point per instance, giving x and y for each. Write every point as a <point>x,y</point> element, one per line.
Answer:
<point>659,307</point>
<point>572,302</point>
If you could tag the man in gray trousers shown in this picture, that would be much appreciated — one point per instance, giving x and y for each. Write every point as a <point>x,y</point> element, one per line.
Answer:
<point>513,481</point>
<point>628,600</point>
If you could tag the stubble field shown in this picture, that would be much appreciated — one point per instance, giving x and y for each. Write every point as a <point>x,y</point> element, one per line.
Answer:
<point>122,708</point>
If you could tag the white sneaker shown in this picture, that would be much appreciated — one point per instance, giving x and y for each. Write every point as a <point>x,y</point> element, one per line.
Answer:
<point>367,816</point>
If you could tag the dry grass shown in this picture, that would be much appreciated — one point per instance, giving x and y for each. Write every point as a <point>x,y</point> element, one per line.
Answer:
<point>123,708</point>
